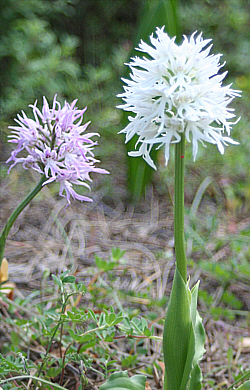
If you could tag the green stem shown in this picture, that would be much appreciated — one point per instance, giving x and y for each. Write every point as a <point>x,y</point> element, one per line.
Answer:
<point>180,250</point>
<point>16,212</point>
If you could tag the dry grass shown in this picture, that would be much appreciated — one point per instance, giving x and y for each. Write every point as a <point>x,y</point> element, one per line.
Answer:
<point>48,236</point>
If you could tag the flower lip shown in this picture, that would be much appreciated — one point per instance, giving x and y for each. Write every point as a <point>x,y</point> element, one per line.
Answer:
<point>56,145</point>
<point>178,89</point>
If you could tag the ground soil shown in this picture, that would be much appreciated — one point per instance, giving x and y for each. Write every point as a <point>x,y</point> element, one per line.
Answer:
<point>37,242</point>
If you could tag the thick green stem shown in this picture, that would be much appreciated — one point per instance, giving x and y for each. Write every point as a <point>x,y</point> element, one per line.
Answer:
<point>15,214</point>
<point>174,344</point>
<point>180,250</point>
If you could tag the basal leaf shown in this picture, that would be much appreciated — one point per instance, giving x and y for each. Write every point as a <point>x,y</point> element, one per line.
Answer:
<point>245,386</point>
<point>121,381</point>
<point>178,337</point>
<point>200,337</point>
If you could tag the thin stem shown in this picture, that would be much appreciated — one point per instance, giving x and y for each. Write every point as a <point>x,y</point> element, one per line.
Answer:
<point>48,348</point>
<point>64,298</point>
<point>180,250</point>
<point>16,212</point>
<point>21,377</point>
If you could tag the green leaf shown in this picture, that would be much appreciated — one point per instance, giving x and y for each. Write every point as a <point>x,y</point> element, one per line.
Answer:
<point>121,381</point>
<point>110,318</point>
<point>102,319</point>
<point>57,280</point>
<point>91,344</point>
<point>129,361</point>
<point>104,265</point>
<point>92,315</point>
<point>71,315</point>
<point>178,338</point>
<point>74,335</point>
<point>245,386</point>
<point>117,320</point>
<point>200,338</point>
<point>136,323</point>
<point>109,338</point>
<point>183,338</point>
<point>63,274</point>
<point>125,326</point>
<point>52,372</point>
<point>117,253</point>
<point>147,332</point>
<point>87,337</point>
<point>14,338</point>
<point>12,365</point>
<point>48,322</point>
<point>69,279</point>
<point>81,288</point>
<point>81,338</point>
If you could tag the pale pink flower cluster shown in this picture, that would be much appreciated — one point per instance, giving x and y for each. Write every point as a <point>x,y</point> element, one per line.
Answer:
<point>177,89</point>
<point>56,145</point>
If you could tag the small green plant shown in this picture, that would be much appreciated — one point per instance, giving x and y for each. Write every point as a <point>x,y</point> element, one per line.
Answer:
<point>69,336</point>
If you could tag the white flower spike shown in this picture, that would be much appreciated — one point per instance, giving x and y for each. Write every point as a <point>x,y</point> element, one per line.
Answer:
<point>179,89</point>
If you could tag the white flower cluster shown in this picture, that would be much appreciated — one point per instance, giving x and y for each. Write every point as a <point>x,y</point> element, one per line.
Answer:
<point>178,90</point>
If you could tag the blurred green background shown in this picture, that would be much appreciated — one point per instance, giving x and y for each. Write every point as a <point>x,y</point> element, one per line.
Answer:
<point>77,49</point>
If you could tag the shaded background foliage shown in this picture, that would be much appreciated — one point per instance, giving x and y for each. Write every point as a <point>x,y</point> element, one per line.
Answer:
<point>77,48</point>
<point>48,45</point>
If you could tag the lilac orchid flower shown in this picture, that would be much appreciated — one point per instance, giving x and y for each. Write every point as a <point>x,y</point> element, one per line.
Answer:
<point>56,145</point>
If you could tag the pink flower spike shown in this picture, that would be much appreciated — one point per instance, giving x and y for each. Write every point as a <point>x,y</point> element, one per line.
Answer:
<point>55,146</point>
<point>67,187</point>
